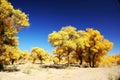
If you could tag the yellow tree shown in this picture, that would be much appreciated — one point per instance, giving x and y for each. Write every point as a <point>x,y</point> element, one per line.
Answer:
<point>118,58</point>
<point>23,56</point>
<point>98,46</point>
<point>82,43</point>
<point>11,54</point>
<point>11,21</point>
<point>70,46</point>
<point>60,53</point>
<point>64,38</point>
<point>108,61</point>
<point>57,40</point>
<point>39,53</point>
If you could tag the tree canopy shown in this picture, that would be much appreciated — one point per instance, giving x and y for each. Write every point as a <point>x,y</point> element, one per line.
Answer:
<point>89,44</point>
<point>11,22</point>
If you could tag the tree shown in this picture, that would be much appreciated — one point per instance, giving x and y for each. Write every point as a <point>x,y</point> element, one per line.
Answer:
<point>59,52</point>
<point>108,61</point>
<point>23,56</point>
<point>89,45</point>
<point>64,38</point>
<point>39,53</point>
<point>11,22</point>
<point>98,46</point>
<point>82,43</point>
<point>11,54</point>
<point>118,58</point>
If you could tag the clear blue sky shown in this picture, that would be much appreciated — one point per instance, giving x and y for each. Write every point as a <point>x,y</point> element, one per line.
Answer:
<point>50,15</point>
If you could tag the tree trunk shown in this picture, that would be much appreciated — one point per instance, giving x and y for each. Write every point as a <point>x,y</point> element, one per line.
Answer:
<point>93,60</point>
<point>41,61</point>
<point>89,59</point>
<point>13,60</point>
<point>34,60</point>
<point>68,60</point>
<point>59,59</point>
<point>69,57</point>
<point>1,66</point>
<point>80,58</point>
<point>79,52</point>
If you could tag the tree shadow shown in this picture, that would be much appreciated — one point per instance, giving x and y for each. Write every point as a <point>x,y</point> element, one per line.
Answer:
<point>11,68</point>
<point>55,66</point>
<point>60,66</point>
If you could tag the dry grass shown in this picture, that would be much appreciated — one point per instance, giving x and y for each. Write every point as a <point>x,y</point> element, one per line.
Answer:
<point>36,72</point>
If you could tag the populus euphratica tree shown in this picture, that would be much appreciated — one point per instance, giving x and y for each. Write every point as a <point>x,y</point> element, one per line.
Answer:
<point>98,46</point>
<point>11,22</point>
<point>89,45</point>
<point>39,53</point>
<point>65,39</point>
<point>82,44</point>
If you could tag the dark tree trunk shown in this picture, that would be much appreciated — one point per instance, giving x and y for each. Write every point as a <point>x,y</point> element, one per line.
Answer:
<point>69,57</point>
<point>13,60</point>
<point>93,60</point>
<point>79,53</point>
<point>59,59</point>
<point>80,58</point>
<point>1,66</point>
<point>34,61</point>
<point>68,60</point>
<point>89,59</point>
<point>41,61</point>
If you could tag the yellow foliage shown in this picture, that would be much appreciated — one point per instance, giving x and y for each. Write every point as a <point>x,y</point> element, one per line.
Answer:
<point>118,58</point>
<point>11,21</point>
<point>39,53</point>
<point>55,60</point>
<point>70,44</point>
<point>87,44</point>
<point>108,61</point>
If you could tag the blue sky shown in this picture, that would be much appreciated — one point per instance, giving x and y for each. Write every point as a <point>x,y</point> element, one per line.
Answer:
<point>50,15</point>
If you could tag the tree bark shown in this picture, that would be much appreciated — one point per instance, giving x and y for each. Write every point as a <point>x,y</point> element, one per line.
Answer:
<point>69,57</point>
<point>89,59</point>
<point>59,59</point>
<point>80,58</point>
<point>93,60</point>
<point>68,60</point>
<point>1,66</point>
<point>41,61</point>
<point>13,60</point>
<point>34,61</point>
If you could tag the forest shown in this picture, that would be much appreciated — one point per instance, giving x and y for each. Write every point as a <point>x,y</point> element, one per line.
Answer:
<point>72,47</point>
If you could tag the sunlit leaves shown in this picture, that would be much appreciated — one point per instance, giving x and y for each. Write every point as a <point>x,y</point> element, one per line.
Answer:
<point>98,45</point>
<point>69,44</point>
<point>118,58</point>
<point>108,61</point>
<point>20,18</point>
<point>55,38</point>
<point>39,53</point>
<point>11,53</point>
<point>11,21</point>
<point>89,44</point>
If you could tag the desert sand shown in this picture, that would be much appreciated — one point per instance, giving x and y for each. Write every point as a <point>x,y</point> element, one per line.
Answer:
<point>35,72</point>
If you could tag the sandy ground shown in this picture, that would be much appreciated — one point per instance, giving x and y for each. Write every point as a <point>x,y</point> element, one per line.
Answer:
<point>34,73</point>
